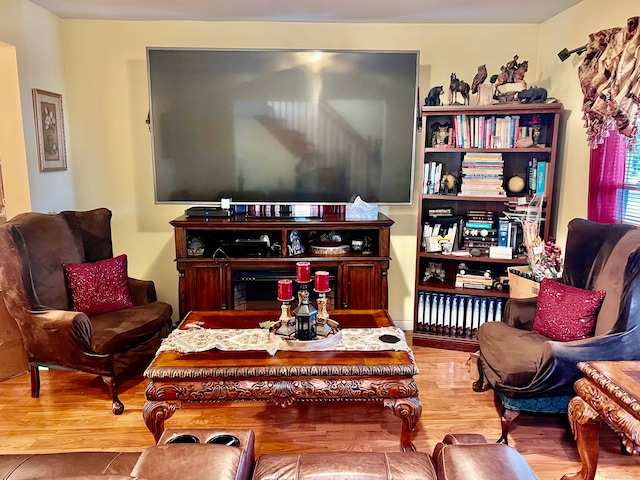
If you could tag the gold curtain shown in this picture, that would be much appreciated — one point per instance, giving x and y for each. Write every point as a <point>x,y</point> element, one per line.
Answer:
<point>610,80</point>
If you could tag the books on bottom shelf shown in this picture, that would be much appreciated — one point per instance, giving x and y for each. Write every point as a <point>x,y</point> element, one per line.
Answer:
<point>456,315</point>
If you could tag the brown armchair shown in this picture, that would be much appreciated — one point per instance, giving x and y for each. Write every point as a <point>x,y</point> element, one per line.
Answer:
<point>33,249</point>
<point>531,372</point>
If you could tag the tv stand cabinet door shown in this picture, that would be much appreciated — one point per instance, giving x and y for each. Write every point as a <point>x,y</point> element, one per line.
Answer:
<point>203,287</point>
<point>364,286</point>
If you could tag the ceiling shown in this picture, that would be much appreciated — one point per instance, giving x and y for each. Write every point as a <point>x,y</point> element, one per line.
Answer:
<point>331,11</point>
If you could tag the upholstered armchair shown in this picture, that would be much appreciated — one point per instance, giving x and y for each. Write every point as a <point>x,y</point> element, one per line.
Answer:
<point>39,256</point>
<point>530,371</point>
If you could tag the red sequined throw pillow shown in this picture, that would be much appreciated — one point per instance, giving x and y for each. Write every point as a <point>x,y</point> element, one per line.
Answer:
<point>98,287</point>
<point>566,313</point>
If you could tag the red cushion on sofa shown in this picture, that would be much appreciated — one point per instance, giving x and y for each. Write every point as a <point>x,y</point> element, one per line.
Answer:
<point>566,313</point>
<point>99,287</point>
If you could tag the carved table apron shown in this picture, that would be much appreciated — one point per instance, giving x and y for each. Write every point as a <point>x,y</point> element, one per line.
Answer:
<point>287,376</point>
<point>610,392</point>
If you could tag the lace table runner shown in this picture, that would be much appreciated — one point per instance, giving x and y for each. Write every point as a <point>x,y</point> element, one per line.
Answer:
<point>198,339</point>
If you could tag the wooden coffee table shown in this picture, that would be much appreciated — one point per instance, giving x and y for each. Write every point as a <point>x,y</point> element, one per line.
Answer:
<point>326,375</point>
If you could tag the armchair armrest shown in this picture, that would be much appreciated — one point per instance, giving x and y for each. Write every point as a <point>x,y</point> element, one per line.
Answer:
<point>72,332</point>
<point>142,291</point>
<point>562,359</point>
<point>520,313</point>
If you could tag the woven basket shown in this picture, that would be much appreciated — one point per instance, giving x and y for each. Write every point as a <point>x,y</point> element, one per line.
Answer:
<point>521,283</point>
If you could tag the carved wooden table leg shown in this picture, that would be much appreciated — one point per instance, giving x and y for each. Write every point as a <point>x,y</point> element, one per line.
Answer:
<point>585,423</point>
<point>155,413</point>
<point>409,410</point>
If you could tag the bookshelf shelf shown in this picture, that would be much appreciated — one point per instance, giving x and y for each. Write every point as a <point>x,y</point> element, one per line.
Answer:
<point>439,327</point>
<point>489,150</point>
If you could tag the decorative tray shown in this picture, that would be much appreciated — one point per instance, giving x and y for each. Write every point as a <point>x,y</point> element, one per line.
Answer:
<point>331,336</point>
<point>330,249</point>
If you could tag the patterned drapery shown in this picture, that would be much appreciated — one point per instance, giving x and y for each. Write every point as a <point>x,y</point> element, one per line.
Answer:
<point>610,79</point>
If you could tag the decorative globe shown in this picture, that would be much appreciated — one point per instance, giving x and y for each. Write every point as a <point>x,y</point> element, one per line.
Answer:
<point>516,184</point>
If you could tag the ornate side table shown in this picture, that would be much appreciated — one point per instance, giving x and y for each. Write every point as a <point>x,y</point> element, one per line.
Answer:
<point>609,392</point>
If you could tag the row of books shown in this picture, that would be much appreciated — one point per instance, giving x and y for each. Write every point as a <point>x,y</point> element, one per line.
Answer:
<point>480,131</point>
<point>432,180</point>
<point>456,315</point>
<point>536,177</point>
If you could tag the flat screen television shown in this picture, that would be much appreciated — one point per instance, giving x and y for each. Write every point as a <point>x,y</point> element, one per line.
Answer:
<point>282,126</point>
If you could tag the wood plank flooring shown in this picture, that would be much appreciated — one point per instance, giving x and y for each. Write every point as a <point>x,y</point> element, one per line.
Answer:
<point>74,413</point>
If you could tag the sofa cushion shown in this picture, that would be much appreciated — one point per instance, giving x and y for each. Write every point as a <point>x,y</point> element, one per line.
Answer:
<point>566,313</point>
<point>61,465</point>
<point>98,287</point>
<point>511,356</point>
<point>345,465</point>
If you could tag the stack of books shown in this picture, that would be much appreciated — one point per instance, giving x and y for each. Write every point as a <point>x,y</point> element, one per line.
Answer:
<point>482,175</point>
<point>480,230</point>
<point>475,281</point>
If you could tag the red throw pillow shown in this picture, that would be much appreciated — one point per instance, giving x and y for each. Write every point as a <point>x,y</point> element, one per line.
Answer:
<point>566,313</point>
<point>98,287</point>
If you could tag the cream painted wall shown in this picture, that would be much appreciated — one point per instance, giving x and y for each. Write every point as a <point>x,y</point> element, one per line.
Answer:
<point>571,29</point>
<point>35,33</point>
<point>12,151</point>
<point>107,93</point>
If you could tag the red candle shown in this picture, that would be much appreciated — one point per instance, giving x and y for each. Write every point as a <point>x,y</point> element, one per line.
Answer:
<point>303,272</point>
<point>322,281</point>
<point>285,290</point>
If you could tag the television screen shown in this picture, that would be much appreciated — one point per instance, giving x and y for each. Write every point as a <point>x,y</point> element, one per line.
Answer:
<point>283,126</point>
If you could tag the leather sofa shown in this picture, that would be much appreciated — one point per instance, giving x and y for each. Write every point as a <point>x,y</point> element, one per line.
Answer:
<point>193,454</point>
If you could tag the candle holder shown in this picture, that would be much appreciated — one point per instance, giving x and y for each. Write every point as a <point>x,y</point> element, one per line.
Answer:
<point>322,328</point>
<point>285,295</point>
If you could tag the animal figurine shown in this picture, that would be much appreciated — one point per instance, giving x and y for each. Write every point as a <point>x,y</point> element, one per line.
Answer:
<point>479,79</point>
<point>512,72</point>
<point>440,135</point>
<point>458,86</point>
<point>533,95</point>
<point>433,98</point>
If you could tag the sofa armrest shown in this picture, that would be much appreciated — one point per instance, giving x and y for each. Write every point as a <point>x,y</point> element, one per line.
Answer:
<point>142,291</point>
<point>496,461</point>
<point>193,461</point>
<point>459,439</point>
<point>520,313</point>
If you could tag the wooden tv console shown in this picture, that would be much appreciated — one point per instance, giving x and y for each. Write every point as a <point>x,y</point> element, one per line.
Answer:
<point>222,265</point>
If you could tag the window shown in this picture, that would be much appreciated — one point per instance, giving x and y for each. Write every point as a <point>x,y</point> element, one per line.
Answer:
<point>614,181</point>
<point>630,193</point>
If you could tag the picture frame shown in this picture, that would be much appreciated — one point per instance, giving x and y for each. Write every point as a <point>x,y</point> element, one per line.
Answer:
<point>49,119</point>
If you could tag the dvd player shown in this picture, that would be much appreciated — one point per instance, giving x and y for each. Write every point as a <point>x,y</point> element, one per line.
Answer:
<point>208,212</point>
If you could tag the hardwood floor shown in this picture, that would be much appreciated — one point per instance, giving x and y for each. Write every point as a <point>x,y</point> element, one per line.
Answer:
<point>74,413</point>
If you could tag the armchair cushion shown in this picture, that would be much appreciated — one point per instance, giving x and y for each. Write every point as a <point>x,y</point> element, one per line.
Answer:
<point>512,354</point>
<point>566,313</point>
<point>99,287</point>
<point>120,330</point>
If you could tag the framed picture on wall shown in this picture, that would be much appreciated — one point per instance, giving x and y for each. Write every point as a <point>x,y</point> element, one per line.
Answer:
<point>47,108</point>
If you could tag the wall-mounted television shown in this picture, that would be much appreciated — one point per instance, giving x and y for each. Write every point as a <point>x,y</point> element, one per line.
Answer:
<point>266,126</point>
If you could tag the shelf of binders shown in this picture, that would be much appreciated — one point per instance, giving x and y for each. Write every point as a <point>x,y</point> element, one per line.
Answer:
<point>456,317</point>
